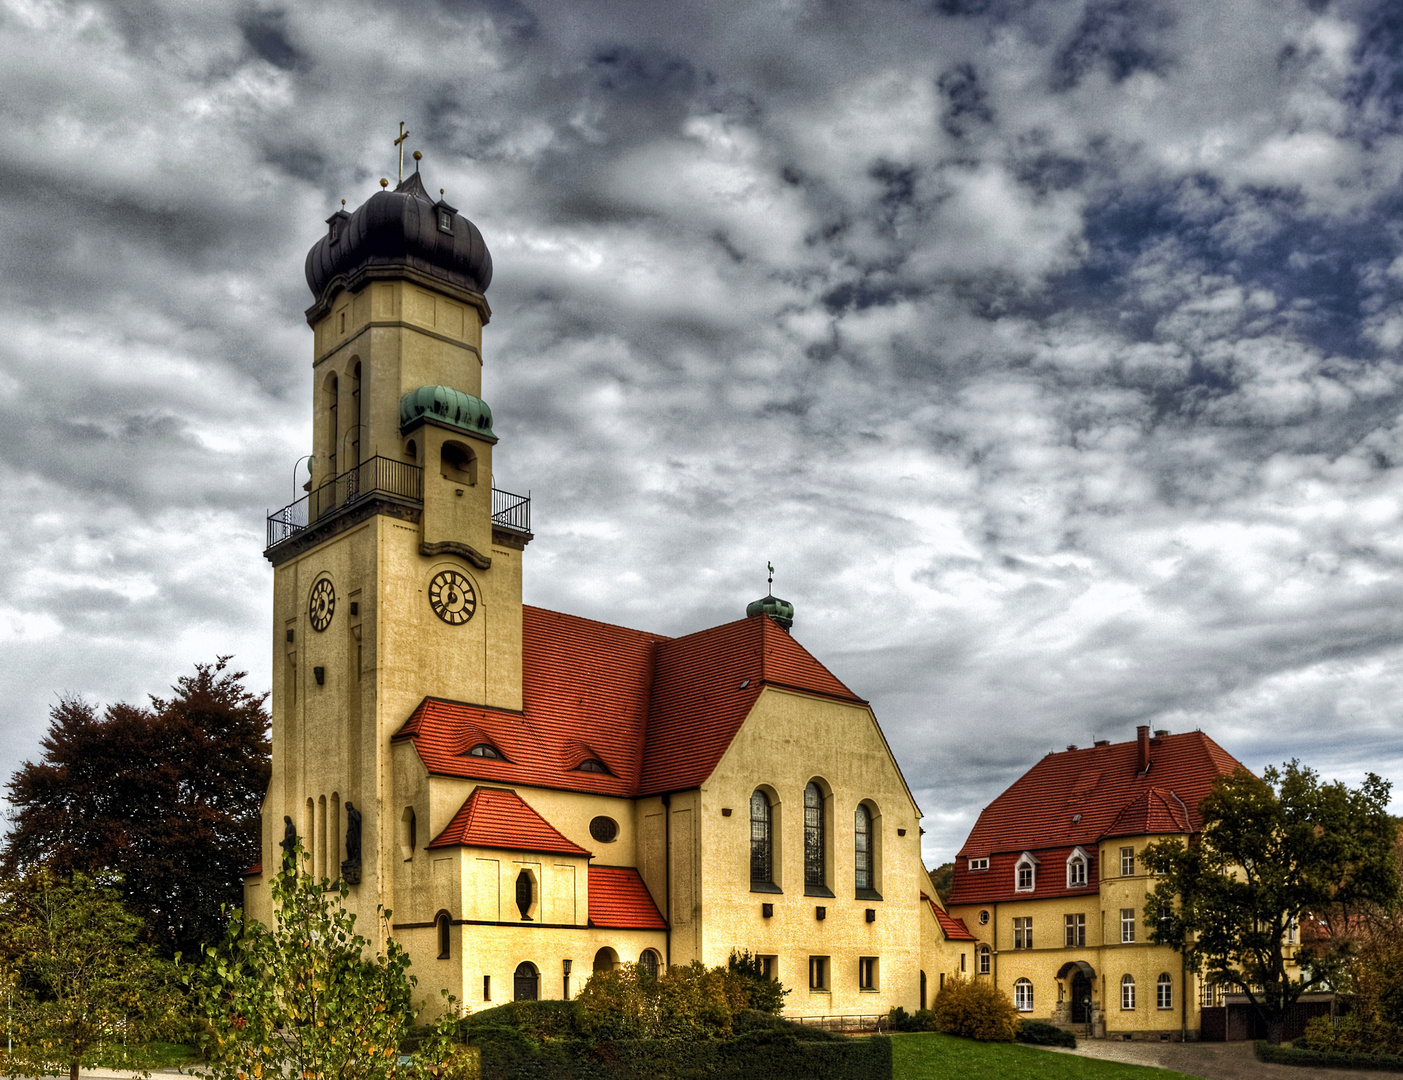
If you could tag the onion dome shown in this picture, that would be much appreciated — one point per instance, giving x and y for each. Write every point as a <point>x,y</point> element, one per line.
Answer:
<point>400,228</point>
<point>446,406</point>
<point>782,611</point>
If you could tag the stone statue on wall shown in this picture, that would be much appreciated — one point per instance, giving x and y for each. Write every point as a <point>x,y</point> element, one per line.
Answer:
<point>350,869</point>
<point>289,843</point>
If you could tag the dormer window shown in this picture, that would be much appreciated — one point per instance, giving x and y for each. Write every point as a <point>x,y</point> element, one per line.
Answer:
<point>445,220</point>
<point>1077,863</point>
<point>979,864</point>
<point>593,765</point>
<point>1025,873</point>
<point>487,750</point>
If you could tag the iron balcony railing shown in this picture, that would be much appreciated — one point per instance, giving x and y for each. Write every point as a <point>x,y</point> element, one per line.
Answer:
<point>511,511</point>
<point>376,476</point>
<point>384,477</point>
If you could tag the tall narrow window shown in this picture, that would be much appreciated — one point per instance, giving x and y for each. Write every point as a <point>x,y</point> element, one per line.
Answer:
<point>1127,925</point>
<point>984,959</point>
<point>761,841</point>
<point>1023,995</point>
<point>814,876</point>
<point>1075,926</point>
<point>1164,991</point>
<point>1127,992</point>
<point>333,432</point>
<point>1127,862</point>
<point>355,418</point>
<point>862,847</point>
<point>525,894</point>
<point>443,925</point>
<point>1023,932</point>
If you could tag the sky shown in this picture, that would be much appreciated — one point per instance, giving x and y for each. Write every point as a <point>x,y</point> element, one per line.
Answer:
<point>1050,350</point>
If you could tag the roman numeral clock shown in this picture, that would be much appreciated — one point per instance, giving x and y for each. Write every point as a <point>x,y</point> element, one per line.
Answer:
<point>452,597</point>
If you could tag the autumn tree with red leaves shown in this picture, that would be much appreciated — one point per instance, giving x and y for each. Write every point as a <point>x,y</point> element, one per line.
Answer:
<point>161,801</point>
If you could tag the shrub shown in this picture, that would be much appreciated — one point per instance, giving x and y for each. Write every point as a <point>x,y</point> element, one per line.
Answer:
<point>975,1010</point>
<point>1357,1033</point>
<point>1040,1034</point>
<point>748,987</point>
<point>901,1020</point>
<point>1296,1055</point>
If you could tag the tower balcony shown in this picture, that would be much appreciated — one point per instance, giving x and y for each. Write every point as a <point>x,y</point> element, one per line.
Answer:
<point>377,485</point>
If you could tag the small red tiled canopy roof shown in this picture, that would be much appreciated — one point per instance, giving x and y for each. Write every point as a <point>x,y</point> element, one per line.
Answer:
<point>954,929</point>
<point>1080,797</point>
<point>255,870</point>
<point>618,900</point>
<point>495,818</point>
<point>657,712</point>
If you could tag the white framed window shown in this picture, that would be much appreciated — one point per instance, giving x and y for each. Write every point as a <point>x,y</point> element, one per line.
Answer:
<point>1127,992</point>
<point>1291,927</point>
<point>1025,873</point>
<point>1076,869</point>
<point>1164,991</point>
<point>1075,931</point>
<point>979,864</point>
<point>1127,925</point>
<point>1023,932</point>
<point>1127,862</point>
<point>1023,995</point>
<point>984,959</point>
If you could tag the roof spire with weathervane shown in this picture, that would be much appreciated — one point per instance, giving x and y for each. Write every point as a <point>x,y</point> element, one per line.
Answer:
<point>782,611</point>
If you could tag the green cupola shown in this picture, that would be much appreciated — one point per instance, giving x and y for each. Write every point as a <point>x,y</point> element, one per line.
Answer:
<point>782,611</point>
<point>447,406</point>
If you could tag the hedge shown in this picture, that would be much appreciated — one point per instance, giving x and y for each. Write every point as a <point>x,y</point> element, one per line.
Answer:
<point>1326,1059</point>
<point>773,1053</point>
<point>1038,1033</point>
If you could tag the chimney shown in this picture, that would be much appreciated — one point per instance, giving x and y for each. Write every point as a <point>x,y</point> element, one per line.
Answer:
<point>1142,734</point>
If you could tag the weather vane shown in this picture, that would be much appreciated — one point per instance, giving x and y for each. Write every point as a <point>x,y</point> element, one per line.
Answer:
<point>399,143</point>
<point>772,574</point>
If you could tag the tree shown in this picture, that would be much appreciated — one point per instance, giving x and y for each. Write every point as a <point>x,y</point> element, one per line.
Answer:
<point>305,998</point>
<point>1271,852</point>
<point>161,802</point>
<point>79,974</point>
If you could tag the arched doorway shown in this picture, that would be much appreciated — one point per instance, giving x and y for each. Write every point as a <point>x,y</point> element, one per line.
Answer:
<point>606,959</point>
<point>1081,998</point>
<point>526,985</point>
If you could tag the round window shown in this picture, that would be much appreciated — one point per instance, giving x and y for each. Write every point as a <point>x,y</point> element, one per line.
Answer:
<point>604,829</point>
<point>983,918</point>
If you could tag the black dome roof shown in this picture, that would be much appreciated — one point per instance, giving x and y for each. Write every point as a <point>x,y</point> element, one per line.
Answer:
<point>400,228</point>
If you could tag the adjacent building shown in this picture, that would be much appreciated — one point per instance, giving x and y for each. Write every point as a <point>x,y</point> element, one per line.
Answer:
<point>1052,884</point>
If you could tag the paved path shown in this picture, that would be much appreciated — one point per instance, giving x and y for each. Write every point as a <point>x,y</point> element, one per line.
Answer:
<point>1211,1060</point>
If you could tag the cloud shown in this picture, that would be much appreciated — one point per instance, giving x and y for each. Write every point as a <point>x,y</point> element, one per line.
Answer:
<point>1051,351</point>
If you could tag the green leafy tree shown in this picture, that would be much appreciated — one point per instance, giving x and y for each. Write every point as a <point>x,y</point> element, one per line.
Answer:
<point>80,977</point>
<point>1271,852</point>
<point>307,997</point>
<point>748,987</point>
<point>162,802</point>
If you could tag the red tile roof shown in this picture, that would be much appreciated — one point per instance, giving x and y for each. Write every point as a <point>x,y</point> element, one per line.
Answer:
<point>658,712</point>
<point>254,870</point>
<point>954,929</point>
<point>497,818</point>
<point>618,900</point>
<point>1081,797</point>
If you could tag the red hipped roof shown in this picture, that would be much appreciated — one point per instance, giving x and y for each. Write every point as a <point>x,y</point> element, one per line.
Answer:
<point>1080,797</point>
<point>496,818</point>
<point>657,712</point>
<point>618,900</point>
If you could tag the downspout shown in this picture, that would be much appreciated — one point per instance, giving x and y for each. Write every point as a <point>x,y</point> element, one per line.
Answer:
<point>1183,997</point>
<point>667,871</point>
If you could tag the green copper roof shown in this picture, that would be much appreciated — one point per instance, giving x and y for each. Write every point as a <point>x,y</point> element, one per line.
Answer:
<point>782,611</point>
<point>447,406</point>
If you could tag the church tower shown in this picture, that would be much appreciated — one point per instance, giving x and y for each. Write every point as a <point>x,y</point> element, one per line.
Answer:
<point>399,574</point>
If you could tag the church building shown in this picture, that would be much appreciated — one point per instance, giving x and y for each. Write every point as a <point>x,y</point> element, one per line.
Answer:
<point>533,795</point>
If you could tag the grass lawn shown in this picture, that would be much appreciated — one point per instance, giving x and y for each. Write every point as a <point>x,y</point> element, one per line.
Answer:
<point>943,1057</point>
<point>156,1055</point>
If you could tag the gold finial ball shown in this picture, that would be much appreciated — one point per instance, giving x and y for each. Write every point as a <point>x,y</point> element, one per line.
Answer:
<point>417,155</point>
<point>440,191</point>
<point>343,203</point>
<point>384,182</point>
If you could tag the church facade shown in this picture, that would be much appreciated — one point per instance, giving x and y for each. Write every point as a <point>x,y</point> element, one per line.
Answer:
<point>533,795</point>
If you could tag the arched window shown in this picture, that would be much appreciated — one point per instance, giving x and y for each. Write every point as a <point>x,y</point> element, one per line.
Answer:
<point>1164,991</point>
<point>409,833</point>
<point>1076,869</point>
<point>862,847</point>
<point>649,962</point>
<point>353,435</point>
<point>525,894</point>
<point>443,924</point>
<point>1023,995</point>
<point>1025,873</point>
<point>593,765</point>
<point>486,750</point>
<point>606,959</point>
<point>333,432</point>
<point>762,868</point>
<point>984,959</point>
<point>815,876</point>
<point>458,463</point>
<point>1127,992</point>
<point>527,982</point>
<point>923,989</point>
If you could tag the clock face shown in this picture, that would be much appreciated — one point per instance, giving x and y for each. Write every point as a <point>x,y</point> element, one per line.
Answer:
<point>452,597</point>
<point>322,604</point>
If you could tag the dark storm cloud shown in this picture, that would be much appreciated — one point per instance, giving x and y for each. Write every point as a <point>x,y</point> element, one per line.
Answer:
<point>1049,350</point>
